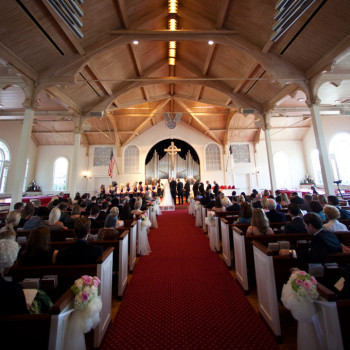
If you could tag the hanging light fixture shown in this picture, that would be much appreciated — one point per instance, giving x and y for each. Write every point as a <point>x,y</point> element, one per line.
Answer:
<point>172,5</point>
<point>172,25</point>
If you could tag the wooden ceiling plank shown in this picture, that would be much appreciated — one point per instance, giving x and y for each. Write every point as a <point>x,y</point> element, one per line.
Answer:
<point>154,15</point>
<point>123,13</point>
<point>103,84</point>
<point>222,14</point>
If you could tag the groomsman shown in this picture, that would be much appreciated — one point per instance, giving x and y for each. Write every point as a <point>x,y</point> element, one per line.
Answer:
<point>180,191</point>
<point>173,189</point>
<point>216,189</point>
<point>187,189</point>
<point>208,186</point>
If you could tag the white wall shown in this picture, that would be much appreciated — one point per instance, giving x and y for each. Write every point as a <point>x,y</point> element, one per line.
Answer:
<point>46,159</point>
<point>10,133</point>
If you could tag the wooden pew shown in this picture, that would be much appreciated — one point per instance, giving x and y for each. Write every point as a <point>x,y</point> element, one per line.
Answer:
<point>272,271</point>
<point>67,274</point>
<point>226,236</point>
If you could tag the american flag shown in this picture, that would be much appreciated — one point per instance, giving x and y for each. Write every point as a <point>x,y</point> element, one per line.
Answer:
<point>111,164</point>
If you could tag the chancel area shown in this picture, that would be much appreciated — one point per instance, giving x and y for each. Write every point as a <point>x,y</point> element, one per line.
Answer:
<point>243,94</point>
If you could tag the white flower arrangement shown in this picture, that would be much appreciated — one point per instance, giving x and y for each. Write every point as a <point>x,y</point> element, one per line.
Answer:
<point>85,291</point>
<point>298,295</point>
<point>197,205</point>
<point>145,220</point>
<point>209,220</point>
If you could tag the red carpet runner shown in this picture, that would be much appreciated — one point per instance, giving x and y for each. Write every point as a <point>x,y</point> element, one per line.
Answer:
<point>182,296</point>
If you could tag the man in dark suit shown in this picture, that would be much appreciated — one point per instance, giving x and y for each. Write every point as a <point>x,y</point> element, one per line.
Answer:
<point>274,215</point>
<point>201,188</point>
<point>278,196</point>
<point>296,225</point>
<point>180,191</point>
<point>216,189</point>
<point>296,199</point>
<point>235,206</point>
<point>208,186</point>
<point>173,189</point>
<point>333,200</point>
<point>94,213</point>
<point>103,212</point>
<point>322,243</point>
<point>80,252</point>
<point>187,189</point>
<point>195,188</point>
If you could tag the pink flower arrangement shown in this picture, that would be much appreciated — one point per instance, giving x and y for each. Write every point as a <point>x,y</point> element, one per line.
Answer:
<point>85,291</point>
<point>304,285</point>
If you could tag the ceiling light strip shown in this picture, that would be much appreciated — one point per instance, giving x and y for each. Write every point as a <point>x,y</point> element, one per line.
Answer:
<point>172,25</point>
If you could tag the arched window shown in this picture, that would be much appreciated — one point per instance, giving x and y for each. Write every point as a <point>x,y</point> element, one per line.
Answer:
<point>60,172</point>
<point>315,158</point>
<point>212,157</point>
<point>131,159</point>
<point>4,165</point>
<point>339,150</point>
<point>281,165</point>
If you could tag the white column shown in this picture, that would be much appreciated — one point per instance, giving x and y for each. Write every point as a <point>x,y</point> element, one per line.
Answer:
<point>22,156</point>
<point>322,148</point>
<point>270,160</point>
<point>74,172</point>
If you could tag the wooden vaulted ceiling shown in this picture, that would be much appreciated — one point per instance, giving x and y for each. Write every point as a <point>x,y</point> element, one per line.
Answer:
<point>134,87</point>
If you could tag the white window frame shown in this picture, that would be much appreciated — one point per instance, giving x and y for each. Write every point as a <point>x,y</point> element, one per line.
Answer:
<point>212,163</point>
<point>66,176</point>
<point>131,165</point>
<point>4,164</point>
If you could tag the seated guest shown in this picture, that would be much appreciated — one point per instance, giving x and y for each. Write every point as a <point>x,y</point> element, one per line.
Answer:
<point>137,208</point>
<point>12,300</point>
<point>296,225</point>
<point>115,212</point>
<point>274,215</point>
<point>225,200</point>
<point>94,212</point>
<point>206,199</point>
<point>332,214</point>
<point>322,242</point>
<point>218,207</point>
<point>8,235</point>
<point>109,232</point>
<point>260,224</point>
<point>53,203</point>
<point>19,206</point>
<point>37,204</point>
<point>76,212</point>
<point>306,206</point>
<point>257,201</point>
<point>53,222</point>
<point>103,212</point>
<point>211,202</point>
<point>296,199</point>
<point>266,193</point>
<point>322,199</point>
<point>264,204</point>
<point>344,214</point>
<point>245,216</point>
<point>65,218</point>
<point>235,206</point>
<point>317,208</point>
<point>37,221</point>
<point>278,196</point>
<point>27,213</point>
<point>80,252</point>
<point>12,220</point>
<point>241,199</point>
<point>38,249</point>
<point>278,201</point>
<point>284,200</point>
<point>126,213</point>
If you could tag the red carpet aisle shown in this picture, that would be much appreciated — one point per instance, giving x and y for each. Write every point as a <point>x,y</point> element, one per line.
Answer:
<point>183,297</point>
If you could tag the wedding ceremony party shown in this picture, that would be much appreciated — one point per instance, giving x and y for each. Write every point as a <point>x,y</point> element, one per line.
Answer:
<point>175,174</point>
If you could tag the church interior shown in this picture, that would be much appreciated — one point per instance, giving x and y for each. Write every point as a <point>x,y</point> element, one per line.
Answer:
<point>251,94</point>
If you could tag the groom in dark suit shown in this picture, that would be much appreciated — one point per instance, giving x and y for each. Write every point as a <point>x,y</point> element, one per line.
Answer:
<point>173,189</point>
<point>180,191</point>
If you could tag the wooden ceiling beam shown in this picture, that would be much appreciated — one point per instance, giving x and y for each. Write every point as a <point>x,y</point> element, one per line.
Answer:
<point>57,92</point>
<point>207,131</point>
<point>225,5</point>
<point>123,13</point>
<point>227,128</point>
<point>73,40</point>
<point>142,125</point>
<point>288,89</point>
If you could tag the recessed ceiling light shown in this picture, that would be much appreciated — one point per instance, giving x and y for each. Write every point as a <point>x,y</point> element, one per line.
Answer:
<point>300,99</point>
<point>135,42</point>
<point>337,101</point>
<point>1,105</point>
<point>210,42</point>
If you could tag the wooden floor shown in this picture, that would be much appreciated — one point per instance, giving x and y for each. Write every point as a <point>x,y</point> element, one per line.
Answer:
<point>288,324</point>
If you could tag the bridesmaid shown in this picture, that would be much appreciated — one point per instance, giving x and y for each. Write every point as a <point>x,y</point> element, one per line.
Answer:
<point>102,190</point>
<point>128,188</point>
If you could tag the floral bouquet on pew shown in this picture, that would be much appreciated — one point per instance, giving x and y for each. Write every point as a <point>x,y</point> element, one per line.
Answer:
<point>145,221</point>
<point>299,293</point>
<point>86,315</point>
<point>209,220</point>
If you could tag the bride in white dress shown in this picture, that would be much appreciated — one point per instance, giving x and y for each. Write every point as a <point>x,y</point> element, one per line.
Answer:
<point>167,202</point>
